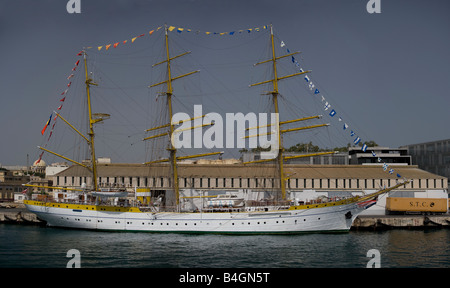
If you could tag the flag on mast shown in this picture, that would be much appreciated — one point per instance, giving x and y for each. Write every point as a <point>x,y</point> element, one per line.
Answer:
<point>46,124</point>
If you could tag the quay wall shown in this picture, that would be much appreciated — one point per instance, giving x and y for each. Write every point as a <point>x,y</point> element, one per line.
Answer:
<point>384,222</point>
<point>17,213</point>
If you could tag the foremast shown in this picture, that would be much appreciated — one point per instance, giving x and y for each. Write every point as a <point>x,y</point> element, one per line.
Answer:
<point>91,134</point>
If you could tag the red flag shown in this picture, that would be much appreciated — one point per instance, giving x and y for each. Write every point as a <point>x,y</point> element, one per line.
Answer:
<point>78,62</point>
<point>46,124</point>
<point>59,108</point>
<point>70,83</point>
<point>40,157</point>
<point>62,100</point>
<point>116,44</point>
<point>80,53</point>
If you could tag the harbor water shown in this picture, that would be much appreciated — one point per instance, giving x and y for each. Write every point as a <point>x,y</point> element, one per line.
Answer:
<point>29,246</point>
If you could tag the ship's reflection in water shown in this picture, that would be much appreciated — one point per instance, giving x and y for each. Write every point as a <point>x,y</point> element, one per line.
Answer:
<point>30,246</point>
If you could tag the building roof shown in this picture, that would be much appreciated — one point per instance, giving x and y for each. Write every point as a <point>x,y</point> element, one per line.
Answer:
<point>40,163</point>
<point>252,171</point>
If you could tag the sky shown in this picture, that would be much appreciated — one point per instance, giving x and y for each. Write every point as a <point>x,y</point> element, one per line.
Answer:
<point>385,74</point>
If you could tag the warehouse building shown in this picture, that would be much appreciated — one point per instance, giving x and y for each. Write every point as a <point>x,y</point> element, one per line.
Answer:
<point>432,156</point>
<point>303,182</point>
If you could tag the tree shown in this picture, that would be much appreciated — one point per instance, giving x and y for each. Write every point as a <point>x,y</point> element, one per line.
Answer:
<point>370,143</point>
<point>304,147</point>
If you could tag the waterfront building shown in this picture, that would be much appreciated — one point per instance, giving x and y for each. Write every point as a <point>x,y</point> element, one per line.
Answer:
<point>397,156</point>
<point>11,183</point>
<point>354,155</point>
<point>340,158</point>
<point>55,168</point>
<point>304,182</point>
<point>432,156</point>
<point>39,167</point>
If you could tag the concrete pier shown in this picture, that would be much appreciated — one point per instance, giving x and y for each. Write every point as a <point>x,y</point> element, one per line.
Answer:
<point>18,214</point>
<point>384,222</point>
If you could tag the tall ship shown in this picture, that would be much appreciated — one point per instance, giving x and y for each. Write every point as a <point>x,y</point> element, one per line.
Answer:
<point>97,208</point>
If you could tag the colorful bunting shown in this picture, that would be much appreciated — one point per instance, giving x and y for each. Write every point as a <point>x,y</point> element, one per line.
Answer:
<point>311,85</point>
<point>364,148</point>
<point>58,109</point>
<point>333,112</point>
<point>181,30</point>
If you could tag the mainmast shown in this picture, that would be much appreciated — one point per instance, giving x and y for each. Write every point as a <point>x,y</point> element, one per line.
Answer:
<point>169,92</point>
<point>280,158</point>
<point>172,149</point>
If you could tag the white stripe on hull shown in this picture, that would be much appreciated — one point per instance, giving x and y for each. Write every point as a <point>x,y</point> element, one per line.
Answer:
<point>283,221</point>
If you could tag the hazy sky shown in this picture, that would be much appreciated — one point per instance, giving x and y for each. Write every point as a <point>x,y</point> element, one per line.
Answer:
<point>386,74</point>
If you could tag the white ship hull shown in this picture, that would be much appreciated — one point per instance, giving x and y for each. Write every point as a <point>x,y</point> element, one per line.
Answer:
<point>337,218</point>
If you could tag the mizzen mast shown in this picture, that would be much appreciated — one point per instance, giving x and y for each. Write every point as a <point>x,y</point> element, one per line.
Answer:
<point>275,93</point>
